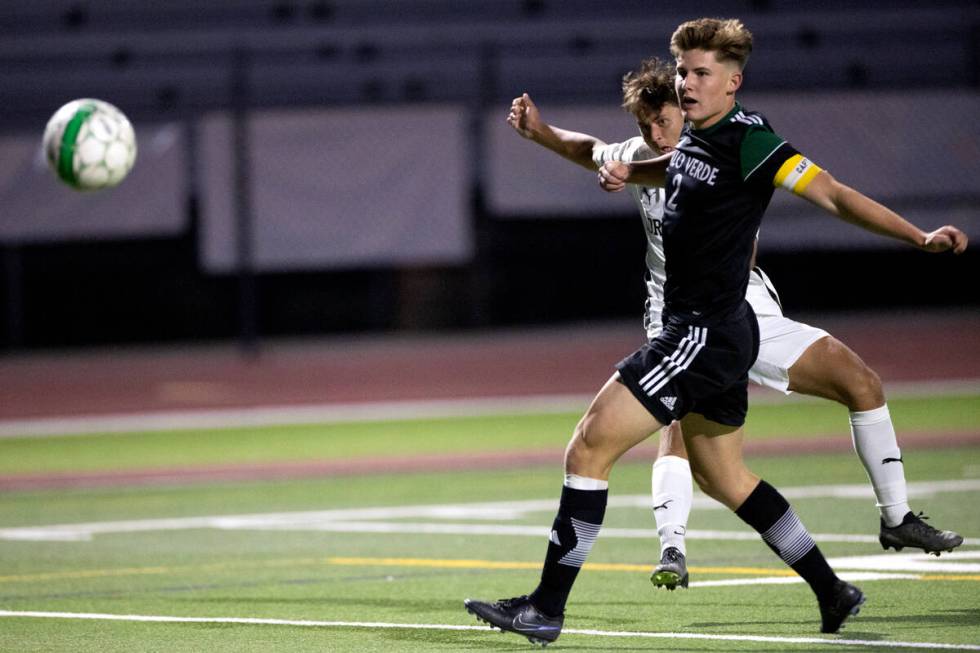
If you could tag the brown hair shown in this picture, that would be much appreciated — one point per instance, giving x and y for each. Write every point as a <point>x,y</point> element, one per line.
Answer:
<point>726,37</point>
<point>649,88</point>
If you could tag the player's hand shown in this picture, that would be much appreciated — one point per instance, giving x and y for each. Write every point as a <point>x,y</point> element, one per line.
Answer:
<point>946,238</point>
<point>524,116</point>
<point>613,176</point>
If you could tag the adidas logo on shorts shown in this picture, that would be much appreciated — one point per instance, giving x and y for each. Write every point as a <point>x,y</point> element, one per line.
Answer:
<point>668,401</point>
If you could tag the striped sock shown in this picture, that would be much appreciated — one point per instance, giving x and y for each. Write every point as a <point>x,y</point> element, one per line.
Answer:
<point>573,533</point>
<point>770,514</point>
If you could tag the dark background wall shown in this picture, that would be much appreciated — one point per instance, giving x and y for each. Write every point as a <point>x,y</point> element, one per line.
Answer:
<point>180,62</point>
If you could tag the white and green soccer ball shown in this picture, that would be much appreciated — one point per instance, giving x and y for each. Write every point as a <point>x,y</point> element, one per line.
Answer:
<point>90,144</point>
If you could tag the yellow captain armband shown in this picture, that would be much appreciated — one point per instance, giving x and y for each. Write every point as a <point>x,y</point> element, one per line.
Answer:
<point>796,173</point>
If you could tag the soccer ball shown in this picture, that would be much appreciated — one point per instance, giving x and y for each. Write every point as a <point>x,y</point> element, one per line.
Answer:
<point>90,144</point>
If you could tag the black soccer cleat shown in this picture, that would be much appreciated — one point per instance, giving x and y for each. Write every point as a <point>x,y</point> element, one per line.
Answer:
<point>672,570</point>
<point>915,533</point>
<point>845,601</point>
<point>517,615</point>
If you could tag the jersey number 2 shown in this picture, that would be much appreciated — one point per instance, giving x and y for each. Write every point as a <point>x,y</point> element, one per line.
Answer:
<point>674,181</point>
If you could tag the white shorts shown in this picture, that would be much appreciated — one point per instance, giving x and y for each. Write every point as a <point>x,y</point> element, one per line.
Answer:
<point>781,340</point>
<point>781,343</point>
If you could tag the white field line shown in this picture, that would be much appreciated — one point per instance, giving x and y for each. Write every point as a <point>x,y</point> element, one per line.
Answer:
<point>851,576</point>
<point>829,641</point>
<point>913,562</point>
<point>408,528</point>
<point>378,519</point>
<point>379,411</point>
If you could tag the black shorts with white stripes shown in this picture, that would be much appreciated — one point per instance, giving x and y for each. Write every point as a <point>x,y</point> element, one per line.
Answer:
<point>700,369</point>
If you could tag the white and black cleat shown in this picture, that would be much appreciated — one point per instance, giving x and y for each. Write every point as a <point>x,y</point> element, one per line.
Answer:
<point>913,532</point>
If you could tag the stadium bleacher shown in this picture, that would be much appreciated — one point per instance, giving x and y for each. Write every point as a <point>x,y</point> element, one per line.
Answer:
<point>181,56</point>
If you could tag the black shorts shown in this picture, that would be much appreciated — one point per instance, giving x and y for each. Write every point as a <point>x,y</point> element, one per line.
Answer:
<point>690,368</point>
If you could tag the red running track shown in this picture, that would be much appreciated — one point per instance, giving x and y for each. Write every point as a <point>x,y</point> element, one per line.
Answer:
<point>546,361</point>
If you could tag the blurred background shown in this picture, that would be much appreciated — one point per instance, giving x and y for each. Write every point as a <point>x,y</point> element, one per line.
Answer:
<point>311,167</point>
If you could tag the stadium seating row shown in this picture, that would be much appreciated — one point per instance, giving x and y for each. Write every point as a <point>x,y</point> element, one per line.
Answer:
<point>188,56</point>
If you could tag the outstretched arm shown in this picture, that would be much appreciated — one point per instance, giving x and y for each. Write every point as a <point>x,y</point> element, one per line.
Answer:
<point>614,175</point>
<point>526,120</point>
<point>856,208</point>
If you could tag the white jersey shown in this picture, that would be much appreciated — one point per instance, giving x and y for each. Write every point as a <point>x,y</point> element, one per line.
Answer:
<point>782,341</point>
<point>650,201</point>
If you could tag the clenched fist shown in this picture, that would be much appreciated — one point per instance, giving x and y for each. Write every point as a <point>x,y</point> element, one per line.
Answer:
<point>613,176</point>
<point>524,116</point>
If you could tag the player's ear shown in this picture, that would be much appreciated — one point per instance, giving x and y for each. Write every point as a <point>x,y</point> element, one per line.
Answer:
<point>734,82</point>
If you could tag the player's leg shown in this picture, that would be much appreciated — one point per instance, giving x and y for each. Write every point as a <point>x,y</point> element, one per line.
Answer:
<point>715,452</point>
<point>614,423</point>
<point>829,369</point>
<point>672,497</point>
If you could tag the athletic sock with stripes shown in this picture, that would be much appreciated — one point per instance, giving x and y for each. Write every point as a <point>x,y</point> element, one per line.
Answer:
<point>874,441</point>
<point>770,514</point>
<point>574,531</point>
<point>672,497</point>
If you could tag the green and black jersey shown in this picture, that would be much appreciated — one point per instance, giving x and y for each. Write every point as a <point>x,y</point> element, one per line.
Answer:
<point>719,183</point>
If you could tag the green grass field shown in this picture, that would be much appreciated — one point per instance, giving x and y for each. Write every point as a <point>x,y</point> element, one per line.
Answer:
<point>382,562</point>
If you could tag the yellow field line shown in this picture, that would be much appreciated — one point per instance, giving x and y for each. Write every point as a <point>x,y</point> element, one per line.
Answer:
<point>149,571</point>
<point>434,563</point>
<point>85,573</point>
<point>494,564</point>
<point>949,577</point>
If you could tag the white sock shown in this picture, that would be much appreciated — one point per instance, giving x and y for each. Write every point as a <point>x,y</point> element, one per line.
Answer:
<point>672,498</point>
<point>874,441</point>
<point>577,482</point>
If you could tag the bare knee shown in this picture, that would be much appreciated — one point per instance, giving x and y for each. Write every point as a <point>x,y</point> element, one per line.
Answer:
<point>861,388</point>
<point>614,423</point>
<point>830,369</point>
<point>729,488</point>
<point>582,450</point>
<point>704,485</point>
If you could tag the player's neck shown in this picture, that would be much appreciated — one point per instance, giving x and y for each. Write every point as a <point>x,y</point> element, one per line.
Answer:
<point>715,118</point>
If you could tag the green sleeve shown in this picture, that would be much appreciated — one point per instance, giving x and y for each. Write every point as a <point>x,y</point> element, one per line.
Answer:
<point>757,146</point>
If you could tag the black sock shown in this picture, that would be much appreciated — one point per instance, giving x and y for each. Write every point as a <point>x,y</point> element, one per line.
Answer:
<point>574,531</point>
<point>768,512</point>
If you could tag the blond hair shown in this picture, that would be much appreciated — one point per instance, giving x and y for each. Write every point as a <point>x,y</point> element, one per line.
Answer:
<point>649,88</point>
<point>728,38</point>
